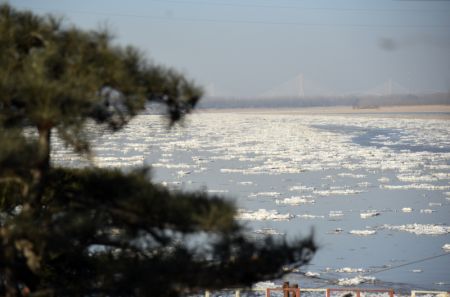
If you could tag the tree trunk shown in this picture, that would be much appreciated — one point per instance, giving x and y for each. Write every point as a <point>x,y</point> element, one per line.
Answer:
<point>44,149</point>
<point>10,284</point>
<point>42,166</point>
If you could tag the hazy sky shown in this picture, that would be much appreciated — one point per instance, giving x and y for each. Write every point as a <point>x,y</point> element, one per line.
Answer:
<point>247,47</point>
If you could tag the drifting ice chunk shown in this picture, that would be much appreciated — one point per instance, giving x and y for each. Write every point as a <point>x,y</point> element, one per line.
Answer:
<point>246,183</point>
<point>301,188</point>
<point>407,209</point>
<point>170,183</point>
<point>339,191</point>
<point>269,194</point>
<point>416,178</point>
<point>310,216</point>
<point>312,274</point>
<point>434,204</point>
<point>356,280</point>
<point>212,191</point>
<point>441,284</point>
<point>442,175</point>
<point>264,285</point>
<point>384,180</point>
<point>363,232</point>
<point>349,270</point>
<point>351,175</point>
<point>427,210</point>
<point>263,215</point>
<point>446,247</point>
<point>421,229</point>
<point>428,187</point>
<point>268,231</point>
<point>363,184</point>
<point>335,214</point>
<point>231,170</point>
<point>172,166</point>
<point>294,200</point>
<point>369,214</point>
<point>183,173</point>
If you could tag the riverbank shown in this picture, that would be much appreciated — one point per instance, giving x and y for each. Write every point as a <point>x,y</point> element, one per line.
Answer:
<point>412,111</point>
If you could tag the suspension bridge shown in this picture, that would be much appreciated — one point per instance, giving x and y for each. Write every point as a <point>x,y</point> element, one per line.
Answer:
<point>300,87</point>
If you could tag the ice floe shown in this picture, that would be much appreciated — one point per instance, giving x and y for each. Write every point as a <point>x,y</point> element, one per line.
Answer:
<point>265,194</point>
<point>369,214</point>
<point>337,191</point>
<point>312,274</point>
<point>213,191</point>
<point>446,247</point>
<point>172,166</point>
<point>363,232</point>
<point>295,200</point>
<point>442,284</point>
<point>245,183</point>
<point>170,183</point>
<point>442,175</point>
<point>352,175</point>
<point>407,209</point>
<point>428,187</point>
<point>384,180</point>
<point>434,204</point>
<point>364,184</point>
<point>231,170</point>
<point>427,210</point>
<point>268,231</point>
<point>182,173</point>
<point>416,178</point>
<point>310,216</point>
<point>265,285</point>
<point>301,188</point>
<point>263,215</point>
<point>335,214</point>
<point>355,280</point>
<point>421,229</point>
<point>349,270</point>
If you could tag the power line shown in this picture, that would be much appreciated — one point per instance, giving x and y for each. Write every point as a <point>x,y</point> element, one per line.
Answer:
<point>230,21</point>
<point>302,8</point>
<point>409,263</point>
<point>331,280</point>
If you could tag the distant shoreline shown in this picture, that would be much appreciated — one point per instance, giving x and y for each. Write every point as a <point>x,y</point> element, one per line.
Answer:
<point>406,111</point>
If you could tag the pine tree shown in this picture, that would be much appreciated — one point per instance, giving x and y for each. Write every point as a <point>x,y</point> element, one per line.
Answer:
<point>104,232</point>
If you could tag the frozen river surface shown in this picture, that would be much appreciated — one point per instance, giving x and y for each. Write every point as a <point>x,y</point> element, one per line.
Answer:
<point>375,189</point>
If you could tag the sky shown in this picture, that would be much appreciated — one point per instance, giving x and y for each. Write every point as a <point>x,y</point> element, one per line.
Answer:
<point>247,48</point>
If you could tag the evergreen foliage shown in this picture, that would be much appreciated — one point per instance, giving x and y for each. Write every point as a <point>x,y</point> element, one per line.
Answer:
<point>104,232</point>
